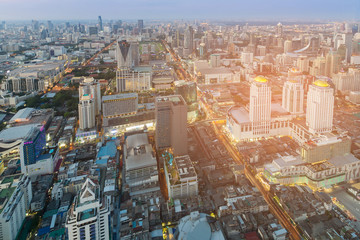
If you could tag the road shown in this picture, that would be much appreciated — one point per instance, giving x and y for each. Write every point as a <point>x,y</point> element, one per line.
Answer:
<point>96,54</point>
<point>274,208</point>
<point>350,203</point>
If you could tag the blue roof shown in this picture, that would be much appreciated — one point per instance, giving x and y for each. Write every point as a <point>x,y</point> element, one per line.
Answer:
<point>102,161</point>
<point>108,150</point>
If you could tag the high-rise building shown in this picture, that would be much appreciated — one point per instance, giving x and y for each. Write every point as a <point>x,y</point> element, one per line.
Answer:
<point>127,54</point>
<point>140,24</point>
<point>348,44</point>
<point>349,81</point>
<point>89,215</point>
<point>117,106</point>
<point>171,124</point>
<point>32,147</point>
<point>287,46</point>
<point>279,29</point>
<point>293,97</point>
<point>133,79</point>
<point>320,107</point>
<point>29,84</point>
<point>93,30</point>
<point>188,40</point>
<point>215,60</point>
<point>100,24</point>
<point>91,88</point>
<point>260,105</point>
<point>86,112</point>
<point>187,90</point>
<point>332,64</point>
<point>16,196</point>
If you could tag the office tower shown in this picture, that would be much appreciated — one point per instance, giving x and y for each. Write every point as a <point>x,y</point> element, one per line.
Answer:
<point>86,112</point>
<point>100,24</point>
<point>287,46</point>
<point>260,105</point>
<point>89,215</point>
<point>187,90</point>
<point>127,54</point>
<point>349,81</point>
<point>16,196</point>
<point>93,30</point>
<point>140,24</point>
<point>35,25</point>
<point>348,44</point>
<point>50,25</point>
<point>188,41</point>
<point>215,60</point>
<point>133,80</point>
<point>120,105</point>
<point>293,97</point>
<point>320,107</point>
<point>89,87</point>
<point>32,147</point>
<point>28,84</point>
<point>202,49</point>
<point>279,29</point>
<point>332,63</point>
<point>303,64</point>
<point>318,66</point>
<point>171,124</point>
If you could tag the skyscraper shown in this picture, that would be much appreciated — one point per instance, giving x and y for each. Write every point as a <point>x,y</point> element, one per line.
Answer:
<point>293,97</point>
<point>320,107</point>
<point>89,215</point>
<point>100,24</point>
<point>260,105</point>
<point>127,54</point>
<point>86,112</point>
<point>331,64</point>
<point>171,124</point>
<point>188,41</point>
<point>348,44</point>
<point>90,87</point>
<point>32,147</point>
<point>140,24</point>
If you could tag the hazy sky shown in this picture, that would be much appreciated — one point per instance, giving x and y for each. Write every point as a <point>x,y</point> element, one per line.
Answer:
<point>180,9</point>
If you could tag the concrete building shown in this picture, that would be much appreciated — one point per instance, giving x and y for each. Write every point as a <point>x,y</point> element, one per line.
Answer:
<point>293,97</point>
<point>127,54</point>
<point>133,79</point>
<point>117,106</point>
<point>86,112</point>
<point>320,107</point>
<point>28,84</point>
<point>89,215</point>
<point>141,174</point>
<point>260,105</point>
<point>90,87</point>
<point>181,178</point>
<point>215,60</point>
<point>15,195</point>
<point>171,124</point>
<point>349,81</point>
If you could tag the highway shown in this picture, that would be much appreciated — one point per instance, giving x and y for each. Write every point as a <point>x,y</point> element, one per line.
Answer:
<point>274,208</point>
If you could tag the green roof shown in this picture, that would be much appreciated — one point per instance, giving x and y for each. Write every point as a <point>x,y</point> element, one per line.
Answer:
<point>6,193</point>
<point>7,180</point>
<point>50,213</point>
<point>57,233</point>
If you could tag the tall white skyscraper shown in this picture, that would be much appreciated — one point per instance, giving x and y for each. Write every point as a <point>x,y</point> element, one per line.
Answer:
<point>86,112</point>
<point>90,87</point>
<point>320,107</point>
<point>293,97</point>
<point>88,216</point>
<point>260,105</point>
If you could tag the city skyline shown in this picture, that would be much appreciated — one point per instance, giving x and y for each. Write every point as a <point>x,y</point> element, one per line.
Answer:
<point>160,9</point>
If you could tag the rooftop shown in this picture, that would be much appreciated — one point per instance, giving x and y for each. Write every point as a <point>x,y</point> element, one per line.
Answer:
<point>22,115</point>
<point>321,83</point>
<point>16,133</point>
<point>122,96</point>
<point>260,79</point>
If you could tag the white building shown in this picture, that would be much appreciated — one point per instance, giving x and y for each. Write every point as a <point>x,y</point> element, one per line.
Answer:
<point>293,97</point>
<point>320,107</point>
<point>181,178</point>
<point>88,217</point>
<point>17,195</point>
<point>197,226</point>
<point>260,105</point>
<point>349,81</point>
<point>90,87</point>
<point>86,113</point>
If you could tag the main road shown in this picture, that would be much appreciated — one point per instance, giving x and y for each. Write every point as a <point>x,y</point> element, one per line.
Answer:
<point>274,208</point>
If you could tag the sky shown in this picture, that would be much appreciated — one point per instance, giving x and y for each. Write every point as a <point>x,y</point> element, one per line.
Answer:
<point>274,10</point>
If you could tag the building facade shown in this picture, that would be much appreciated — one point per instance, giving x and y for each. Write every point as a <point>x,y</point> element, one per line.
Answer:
<point>293,97</point>
<point>320,107</point>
